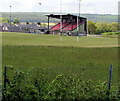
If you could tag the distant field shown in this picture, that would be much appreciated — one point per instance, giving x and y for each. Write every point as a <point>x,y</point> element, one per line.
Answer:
<point>51,24</point>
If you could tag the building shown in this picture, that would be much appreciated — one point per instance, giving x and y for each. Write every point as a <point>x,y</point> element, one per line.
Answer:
<point>69,23</point>
<point>23,28</point>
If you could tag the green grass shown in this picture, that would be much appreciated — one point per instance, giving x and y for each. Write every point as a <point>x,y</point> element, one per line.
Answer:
<point>28,51</point>
<point>54,40</point>
<point>64,60</point>
<point>111,33</point>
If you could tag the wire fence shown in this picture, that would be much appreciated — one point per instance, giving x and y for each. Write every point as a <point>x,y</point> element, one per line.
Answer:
<point>18,80</point>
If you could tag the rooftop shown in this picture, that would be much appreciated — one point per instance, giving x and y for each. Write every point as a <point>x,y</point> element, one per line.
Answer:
<point>64,16</point>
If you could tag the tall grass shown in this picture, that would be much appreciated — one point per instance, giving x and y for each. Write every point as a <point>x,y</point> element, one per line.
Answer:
<point>94,63</point>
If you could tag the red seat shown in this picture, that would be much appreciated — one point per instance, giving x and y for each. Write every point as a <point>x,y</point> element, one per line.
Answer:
<point>57,27</point>
<point>72,26</point>
<point>67,26</point>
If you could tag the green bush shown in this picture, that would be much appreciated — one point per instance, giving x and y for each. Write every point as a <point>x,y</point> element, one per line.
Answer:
<point>24,87</point>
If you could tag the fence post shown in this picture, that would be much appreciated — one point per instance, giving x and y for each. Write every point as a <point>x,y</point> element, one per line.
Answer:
<point>109,82</point>
<point>5,77</point>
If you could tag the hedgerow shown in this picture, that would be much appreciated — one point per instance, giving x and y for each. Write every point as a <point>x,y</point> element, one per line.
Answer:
<point>23,87</point>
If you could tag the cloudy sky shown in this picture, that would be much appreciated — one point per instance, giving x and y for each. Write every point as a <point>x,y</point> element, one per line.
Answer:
<point>68,6</point>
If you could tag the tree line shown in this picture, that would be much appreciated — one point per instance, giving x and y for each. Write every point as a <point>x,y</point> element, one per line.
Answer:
<point>6,20</point>
<point>102,27</point>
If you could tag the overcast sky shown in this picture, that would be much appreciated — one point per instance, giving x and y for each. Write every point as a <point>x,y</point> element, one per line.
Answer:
<point>68,6</point>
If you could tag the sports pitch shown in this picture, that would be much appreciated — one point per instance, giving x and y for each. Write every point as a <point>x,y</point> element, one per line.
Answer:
<point>27,39</point>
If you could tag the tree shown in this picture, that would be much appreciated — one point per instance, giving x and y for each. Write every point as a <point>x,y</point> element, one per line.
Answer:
<point>102,27</point>
<point>114,27</point>
<point>7,20</point>
<point>27,23</point>
<point>38,23</point>
<point>16,21</point>
<point>4,20</point>
<point>91,27</point>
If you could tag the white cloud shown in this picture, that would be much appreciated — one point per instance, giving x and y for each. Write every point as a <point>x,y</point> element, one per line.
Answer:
<point>101,7</point>
<point>68,6</point>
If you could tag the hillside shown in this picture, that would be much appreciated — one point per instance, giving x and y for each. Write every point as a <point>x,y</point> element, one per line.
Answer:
<point>101,17</point>
<point>37,16</point>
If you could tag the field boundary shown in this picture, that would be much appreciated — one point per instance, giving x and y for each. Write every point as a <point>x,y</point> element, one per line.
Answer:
<point>106,46</point>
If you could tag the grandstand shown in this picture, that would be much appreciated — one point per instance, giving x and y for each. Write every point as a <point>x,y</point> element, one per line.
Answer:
<point>69,24</point>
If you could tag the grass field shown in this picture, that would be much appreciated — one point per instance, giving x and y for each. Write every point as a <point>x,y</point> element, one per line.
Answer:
<point>25,51</point>
<point>94,63</point>
<point>20,39</point>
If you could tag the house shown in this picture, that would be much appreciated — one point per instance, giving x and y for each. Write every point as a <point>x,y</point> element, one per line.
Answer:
<point>24,28</point>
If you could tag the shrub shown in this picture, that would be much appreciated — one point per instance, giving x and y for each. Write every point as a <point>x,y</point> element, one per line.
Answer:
<point>22,88</point>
